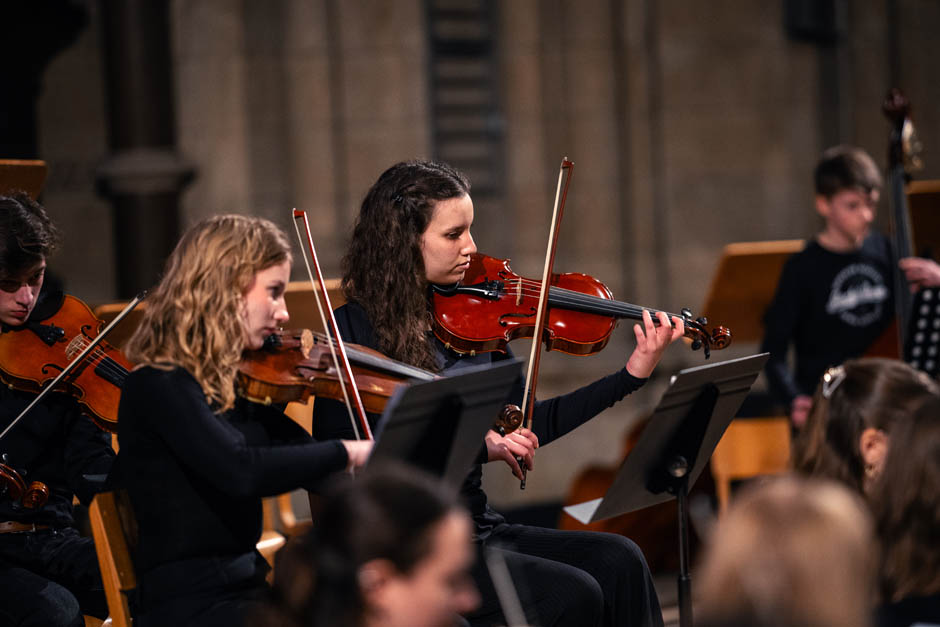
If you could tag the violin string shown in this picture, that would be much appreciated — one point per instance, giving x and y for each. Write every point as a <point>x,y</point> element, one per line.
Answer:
<point>376,361</point>
<point>574,298</point>
<point>386,362</point>
<point>100,359</point>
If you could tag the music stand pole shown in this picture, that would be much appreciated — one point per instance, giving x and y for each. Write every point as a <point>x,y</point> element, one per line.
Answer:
<point>674,449</point>
<point>679,468</point>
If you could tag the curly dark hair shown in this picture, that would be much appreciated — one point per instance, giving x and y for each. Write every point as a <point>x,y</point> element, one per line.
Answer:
<point>27,235</point>
<point>383,269</point>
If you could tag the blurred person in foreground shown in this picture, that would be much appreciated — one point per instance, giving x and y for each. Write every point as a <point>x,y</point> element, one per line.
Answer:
<point>906,505</point>
<point>391,548</point>
<point>791,552</point>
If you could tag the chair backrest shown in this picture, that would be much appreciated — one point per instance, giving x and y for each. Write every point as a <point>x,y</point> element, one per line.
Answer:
<point>749,448</point>
<point>743,286</point>
<point>301,303</point>
<point>22,175</point>
<point>114,529</point>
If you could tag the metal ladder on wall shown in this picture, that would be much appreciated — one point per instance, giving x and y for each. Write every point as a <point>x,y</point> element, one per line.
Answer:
<point>466,121</point>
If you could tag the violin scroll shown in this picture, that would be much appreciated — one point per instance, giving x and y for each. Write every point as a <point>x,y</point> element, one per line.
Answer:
<point>508,420</point>
<point>13,486</point>
<point>904,148</point>
<point>697,331</point>
<point>11,482</point>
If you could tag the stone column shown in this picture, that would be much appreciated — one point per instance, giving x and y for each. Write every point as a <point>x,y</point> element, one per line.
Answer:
<point>143,175</point>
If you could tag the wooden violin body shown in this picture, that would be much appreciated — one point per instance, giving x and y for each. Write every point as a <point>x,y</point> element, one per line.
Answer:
<point>296,364</point>
<point>33,354</point>
<point>493,306</point>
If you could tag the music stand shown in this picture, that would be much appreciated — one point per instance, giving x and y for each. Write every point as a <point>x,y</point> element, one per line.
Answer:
<point>439,425</point>
<point>675,447</point>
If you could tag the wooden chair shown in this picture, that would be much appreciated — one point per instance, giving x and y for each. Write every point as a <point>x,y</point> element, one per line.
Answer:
<point>743,286</point>
<point>289,523</point>
<point>750,447</point>
<point>300,303</point>
<point>22,175</point>
<point>115,532</point>
<point>271,539</point>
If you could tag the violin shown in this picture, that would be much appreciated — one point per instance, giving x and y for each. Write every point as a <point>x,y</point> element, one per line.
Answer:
<point>14,487</point>
<point>35,353</point>
<point>493,305</point>
<point>293,365</point>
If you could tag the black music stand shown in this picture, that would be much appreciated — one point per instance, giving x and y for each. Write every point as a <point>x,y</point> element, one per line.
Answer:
<point>439,425</point>
<point>674,449</point>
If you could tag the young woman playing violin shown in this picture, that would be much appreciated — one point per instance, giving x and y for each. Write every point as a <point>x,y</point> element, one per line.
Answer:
<point>48,573</point>
<point>413,230</point>
<point>195,459</point>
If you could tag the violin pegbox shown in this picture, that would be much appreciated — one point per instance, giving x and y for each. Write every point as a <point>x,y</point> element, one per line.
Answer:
<point>696,329</point>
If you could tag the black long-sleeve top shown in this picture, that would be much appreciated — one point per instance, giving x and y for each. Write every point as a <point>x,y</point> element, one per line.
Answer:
<point>196,478</point>
<point>57,445</point>
<point>54,443</point>
<point>831,307</point>
<point>553,417</point>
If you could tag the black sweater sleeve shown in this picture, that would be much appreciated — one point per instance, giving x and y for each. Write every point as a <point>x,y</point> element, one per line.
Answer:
<point>780,322</point>
<point>559,415</point>
<point>88,456</point>
<point>173,406</point>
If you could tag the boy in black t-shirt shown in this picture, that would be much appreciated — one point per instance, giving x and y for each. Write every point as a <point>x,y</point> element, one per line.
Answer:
<point>835,297</point>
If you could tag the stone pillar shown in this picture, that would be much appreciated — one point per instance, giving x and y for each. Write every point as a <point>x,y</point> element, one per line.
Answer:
<point>143,175</point>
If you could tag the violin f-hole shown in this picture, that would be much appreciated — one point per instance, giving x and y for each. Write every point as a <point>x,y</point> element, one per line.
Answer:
<point>515,314</point>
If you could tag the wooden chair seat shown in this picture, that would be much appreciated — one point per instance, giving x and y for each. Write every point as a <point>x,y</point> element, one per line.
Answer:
<point>750,447</point>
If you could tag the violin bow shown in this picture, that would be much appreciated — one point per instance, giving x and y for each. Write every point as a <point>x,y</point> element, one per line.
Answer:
<point>532,373</point>
<point>337,347</point>
<point>78,359</point>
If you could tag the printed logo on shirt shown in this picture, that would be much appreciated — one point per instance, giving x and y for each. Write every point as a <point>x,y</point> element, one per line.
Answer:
<point>858,295</point>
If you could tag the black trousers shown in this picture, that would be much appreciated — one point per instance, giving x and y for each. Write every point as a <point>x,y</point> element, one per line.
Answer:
<point>49,578</point>
<point>577,578</point>
<point>210,592</point>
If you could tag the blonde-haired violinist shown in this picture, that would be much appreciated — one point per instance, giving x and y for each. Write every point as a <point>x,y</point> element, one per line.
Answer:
<point>195,458</point>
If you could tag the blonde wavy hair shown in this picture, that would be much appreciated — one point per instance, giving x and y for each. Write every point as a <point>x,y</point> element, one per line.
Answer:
<point>195,317</point>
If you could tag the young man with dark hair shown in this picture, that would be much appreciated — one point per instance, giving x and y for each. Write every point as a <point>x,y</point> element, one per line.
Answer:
<point>835,297</point>
<point>48,573</point>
